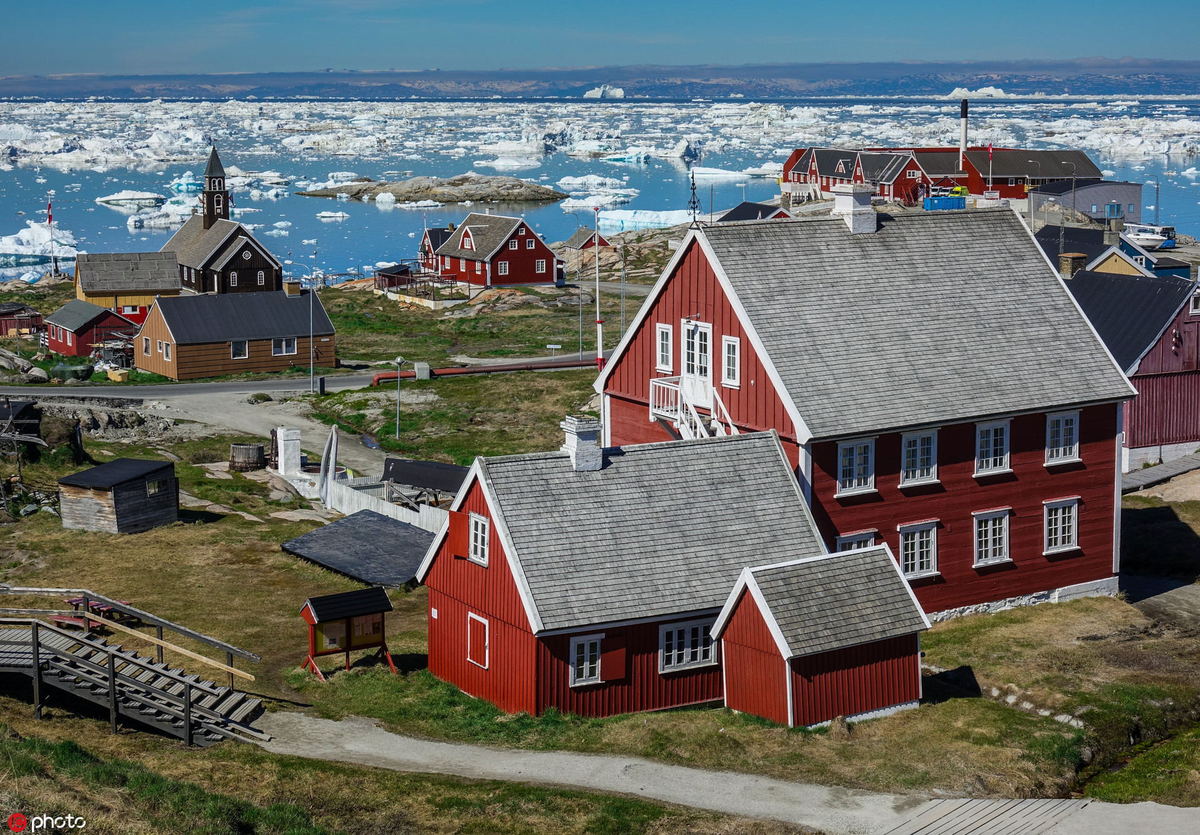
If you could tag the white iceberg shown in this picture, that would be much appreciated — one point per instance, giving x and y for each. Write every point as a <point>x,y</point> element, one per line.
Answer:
<point>624,220</point>
<point>332,215</point>
<point>36,244</point>
<point>605,91</point>
<point>128,198</point>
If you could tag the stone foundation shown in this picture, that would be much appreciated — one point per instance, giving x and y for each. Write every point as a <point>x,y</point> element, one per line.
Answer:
<point>1106,587</point>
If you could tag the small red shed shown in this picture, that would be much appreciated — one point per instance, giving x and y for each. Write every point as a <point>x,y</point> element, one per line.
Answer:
<point>811,639</point>
<point>78,326</point>
<point>18,319</point>
<point>343,623</point>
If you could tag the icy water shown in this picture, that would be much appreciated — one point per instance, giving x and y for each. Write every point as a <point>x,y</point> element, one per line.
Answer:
<point>74,152</point>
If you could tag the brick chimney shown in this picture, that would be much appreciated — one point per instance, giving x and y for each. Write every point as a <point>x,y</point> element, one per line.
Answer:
<point>1070,263</point>
<point>583,443</point>
<point>852,203</point>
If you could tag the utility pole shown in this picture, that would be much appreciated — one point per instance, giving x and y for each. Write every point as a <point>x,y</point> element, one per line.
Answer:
<point>399,362</point>
<point>1029,191</point>
<point>599,320</point>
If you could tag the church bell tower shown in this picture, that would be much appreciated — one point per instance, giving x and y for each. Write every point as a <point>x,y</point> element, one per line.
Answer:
<point>215,197</point>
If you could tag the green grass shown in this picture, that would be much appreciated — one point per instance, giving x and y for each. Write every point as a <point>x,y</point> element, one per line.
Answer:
<point>1165,773</point>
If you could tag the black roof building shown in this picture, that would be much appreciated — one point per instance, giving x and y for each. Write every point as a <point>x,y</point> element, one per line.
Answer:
<point>365,546</point>
<point>197,320</point>
<point>348,604</point>
<point>114,473</point>
<point>1130,312</point>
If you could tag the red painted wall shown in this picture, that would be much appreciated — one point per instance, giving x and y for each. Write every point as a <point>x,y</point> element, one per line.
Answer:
<point>1168,384</point>
<point>846,682</point>
<point>755,672</point>
<point>522,263</point>
<point>959,493</point>
<point>102,328</point>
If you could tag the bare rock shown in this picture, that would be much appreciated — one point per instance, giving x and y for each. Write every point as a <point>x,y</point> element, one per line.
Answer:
<point>13,362</point>
<point>839,728</point>
<point>37,375</point>
<point>477,188</point>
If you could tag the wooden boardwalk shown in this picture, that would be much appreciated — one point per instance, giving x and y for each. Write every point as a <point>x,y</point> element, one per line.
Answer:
<point>989,817</point>
<point>1149,476</point>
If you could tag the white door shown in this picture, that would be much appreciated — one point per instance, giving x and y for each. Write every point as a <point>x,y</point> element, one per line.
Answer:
<point>695,384</point>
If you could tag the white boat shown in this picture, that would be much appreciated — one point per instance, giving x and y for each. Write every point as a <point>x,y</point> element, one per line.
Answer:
<point>1149,236</point>
<point>132,199</point>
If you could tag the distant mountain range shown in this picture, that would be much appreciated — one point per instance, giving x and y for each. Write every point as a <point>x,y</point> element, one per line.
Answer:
<point>1079,77</point>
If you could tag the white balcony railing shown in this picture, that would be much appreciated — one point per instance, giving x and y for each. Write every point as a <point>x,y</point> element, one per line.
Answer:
<point>667,403</point>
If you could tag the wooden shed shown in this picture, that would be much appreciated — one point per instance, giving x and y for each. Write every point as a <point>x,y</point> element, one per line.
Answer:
<point>127,495</point>
<point>808,640</point>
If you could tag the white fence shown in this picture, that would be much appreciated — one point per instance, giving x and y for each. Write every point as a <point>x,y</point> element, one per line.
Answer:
<point>351,495</point>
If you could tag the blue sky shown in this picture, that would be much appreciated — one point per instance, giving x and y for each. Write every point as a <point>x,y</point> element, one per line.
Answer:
<point>136,36</point>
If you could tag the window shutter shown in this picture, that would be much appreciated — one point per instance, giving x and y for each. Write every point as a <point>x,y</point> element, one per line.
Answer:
<point>458,538</point>
<point>612,657</point>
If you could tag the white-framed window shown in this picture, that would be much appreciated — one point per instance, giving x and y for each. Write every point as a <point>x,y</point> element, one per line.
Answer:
<point>856,540</point>
<point>918,458</point>
<point>991,536</point>
<point>158,343</point>
<point>1140,260</point>
<point>467,241</point>
<point>501,268</point>
<point>697,349</point>
<point>991,447</point>
<point>245,255</point>
<point>530,243</point>
<point>585,660</point>
<point>262,278</point>
<point>913,175</point>
<point>233,278</point>
<point>685,645</point>
<point>478,640</point>
<point>1194,306</point>
<point>1012,181</point>
<point>918,548</point>
<point>1062,438</point>
<point>520,230</point>
<point>129,308</point>
<point>218,201</point>
<point>70,337</point>
<point>1062,524</point>
<point>462,264</point>
<point>512,244</point>
<point>283,345</point>
<point>478,266</point>
<point>167,351</point>
<point>146,346</point>
<point>539,265</point>
<point>856,467</point>
<point>478,549</point>
<point>663,361</point>
<point>731,362</point>
<point>239,349</point>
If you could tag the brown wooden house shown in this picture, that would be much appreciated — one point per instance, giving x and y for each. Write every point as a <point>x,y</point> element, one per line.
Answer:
<point>187,337</point>
<point>126,495</point>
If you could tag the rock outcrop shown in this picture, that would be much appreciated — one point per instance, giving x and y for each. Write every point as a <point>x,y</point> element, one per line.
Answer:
<point>476,188</point>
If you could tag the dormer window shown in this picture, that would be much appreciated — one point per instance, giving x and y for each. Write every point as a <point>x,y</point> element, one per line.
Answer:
<point>467,241</point>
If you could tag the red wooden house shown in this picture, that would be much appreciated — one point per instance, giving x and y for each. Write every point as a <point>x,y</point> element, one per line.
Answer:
<point>431,239</point>
<point>490,250</point>
<point>567,580</point>
<point>863,661</point>
<point>892,175</point>
<point>932,381</point>
<point>78,326</point>
<point>584,238</point>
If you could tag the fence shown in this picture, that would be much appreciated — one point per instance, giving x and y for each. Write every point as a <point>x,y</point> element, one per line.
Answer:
<point>354,494</point>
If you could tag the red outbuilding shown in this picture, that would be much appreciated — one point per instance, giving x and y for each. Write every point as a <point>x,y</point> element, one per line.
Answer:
<point>76,328</point>
<point>930,377</point>
<point>491,250</point>
<point>808,640</point>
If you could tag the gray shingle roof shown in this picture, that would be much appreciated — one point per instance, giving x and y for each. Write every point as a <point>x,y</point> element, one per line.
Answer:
<point>196,320</point>
<point>128,272</point>
<point>840,600</point>
<point>938,163</point>
<point>835,162</point>
<point>1015,162</point>
<point>938,317</point>
<point>194,246</point>
<point>748,210</point>
<point>488,232</point>
<point>77,313</point>
<point>617,543</point>
<point>582,236</point>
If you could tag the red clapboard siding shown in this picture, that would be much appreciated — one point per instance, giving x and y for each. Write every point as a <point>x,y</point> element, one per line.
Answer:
<point>634,686</point>
<point>755,672</point>
<point>522,263</point>
<point>959,494</point>
<point>846,682</point>
<point>693,291</point>
<point>1165,410</point>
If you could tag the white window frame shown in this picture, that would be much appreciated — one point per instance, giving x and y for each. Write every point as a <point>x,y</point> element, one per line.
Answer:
<point>1048,507</point>
<point>932,476</point>
<point>914,528</point>
<point>1066,454</point>
<point>731,377</point>
<point>539,266</point>
<point>70,338</point>
<point>153,488</point>
<point>704,625</point>
<point>245,343</point>
<point>856,540</point>
<point>513,244</point>
<point>986,517</point>
<point>167,351</point>
<point>129,308</point>
<point>856,489</point>
<point>145,346</point>
<point>262,278</point>
<point>913,174</point>
<point>520,230</point>
<point>664,338</point>
<point>1194,305</point>
<point>501,268</point>
<point>592,676</point>
<point>530,243</point>
<point>1005,465</point>
<point>279,346</point>
<point>487,641</point>
<point>217,201</point>
<point>478,536</point>
<point>467,241</point>
<point>158,343</point>
<point>233,278</point>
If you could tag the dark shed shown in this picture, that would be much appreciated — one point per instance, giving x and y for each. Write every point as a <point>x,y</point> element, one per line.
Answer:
<point>127,495</point>
<point>365,546</point>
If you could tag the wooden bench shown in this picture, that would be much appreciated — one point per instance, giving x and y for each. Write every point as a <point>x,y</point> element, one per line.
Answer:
<point>68,622</point>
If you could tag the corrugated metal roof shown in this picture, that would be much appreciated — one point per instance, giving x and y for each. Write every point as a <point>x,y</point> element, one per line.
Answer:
<point>1130,312</point>
<point>128,272</point>
<point>196,320</point>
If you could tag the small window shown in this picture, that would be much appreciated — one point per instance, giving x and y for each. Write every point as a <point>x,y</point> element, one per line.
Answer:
<point>663,359</point>
<point>856,467</point>
<point>1012,181</point>
<point>731,362</point>
<point>477,640</point>
<point>530,243</point>
<point>478,266</point>
<point>233,278</point>
<point>239,349</point>
<point>520,230</point>
<point>70,338</point>
<point>1062,438</point>
<point>991,447</point>
<point>153,488</point>
<point>918,462</point>
<point>585,660</point>
<point>218,202</point>
<point>913,175</point>
<point>129,308</point>
<point>854,541</point>
<point>262,278</point>
<point>146,346</point>
<point>158,343</point>
<point>991,536</point>
<point>1140,260</point>
<point>1132,208</point>
<point>1095,208</point>
<point>539,265</point>
<point>1062,525</point>
<point>502,268</point>
<point>918,549</point>
<point>512,244</point>
<point>478,551</point>
<point>245,255</point>
<point>167,351</point>
<point>1194,306</point>
<point>685,645</point>
<point>283,345</point>
<point>462,264</point>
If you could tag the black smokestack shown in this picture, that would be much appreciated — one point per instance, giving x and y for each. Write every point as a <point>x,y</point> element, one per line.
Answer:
<point>962,109</point>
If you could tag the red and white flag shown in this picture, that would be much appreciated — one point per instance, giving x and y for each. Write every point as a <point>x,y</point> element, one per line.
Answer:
<point>49,213</point>
<point>989,150</point>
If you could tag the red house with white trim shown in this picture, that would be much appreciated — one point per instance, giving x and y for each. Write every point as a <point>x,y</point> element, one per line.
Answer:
<point>933,383</point>
<point>75,328</point>
<point>892,175</point>
<point>431,239</point>
<point>491,250</point>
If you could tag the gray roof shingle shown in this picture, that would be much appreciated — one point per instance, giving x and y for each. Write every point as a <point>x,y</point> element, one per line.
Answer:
<point>937,317</point>
<point>840,600</point>
<point>128,272</point>
<point>77,313</point>
<point>196,320</point>
<point>488,233</point>
<point>194,246</point>
<point>617,544</point>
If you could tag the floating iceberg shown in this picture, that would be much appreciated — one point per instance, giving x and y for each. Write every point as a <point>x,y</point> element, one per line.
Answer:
<point>605,91</point>
<point>332,215</point>
<point>36,244</point>
<point>186,183</point>
<point>716,173</point>
<point>624,220</point>
<point>132,199</point>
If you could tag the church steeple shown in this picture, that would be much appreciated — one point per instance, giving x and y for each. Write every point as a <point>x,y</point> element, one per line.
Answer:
<point>215,197</point>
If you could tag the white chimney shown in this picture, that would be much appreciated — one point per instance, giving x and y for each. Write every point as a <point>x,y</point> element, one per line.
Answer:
<point>583,443</point>
<point>852,203</point>
<point>962,135</point>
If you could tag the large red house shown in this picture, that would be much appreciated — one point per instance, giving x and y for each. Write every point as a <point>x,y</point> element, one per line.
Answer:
<point>561,581</point>
<point>933,383</point>
<point>490,250</point>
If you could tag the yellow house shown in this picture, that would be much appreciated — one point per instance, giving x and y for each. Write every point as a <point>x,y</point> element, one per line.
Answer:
<point>126,282</point>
